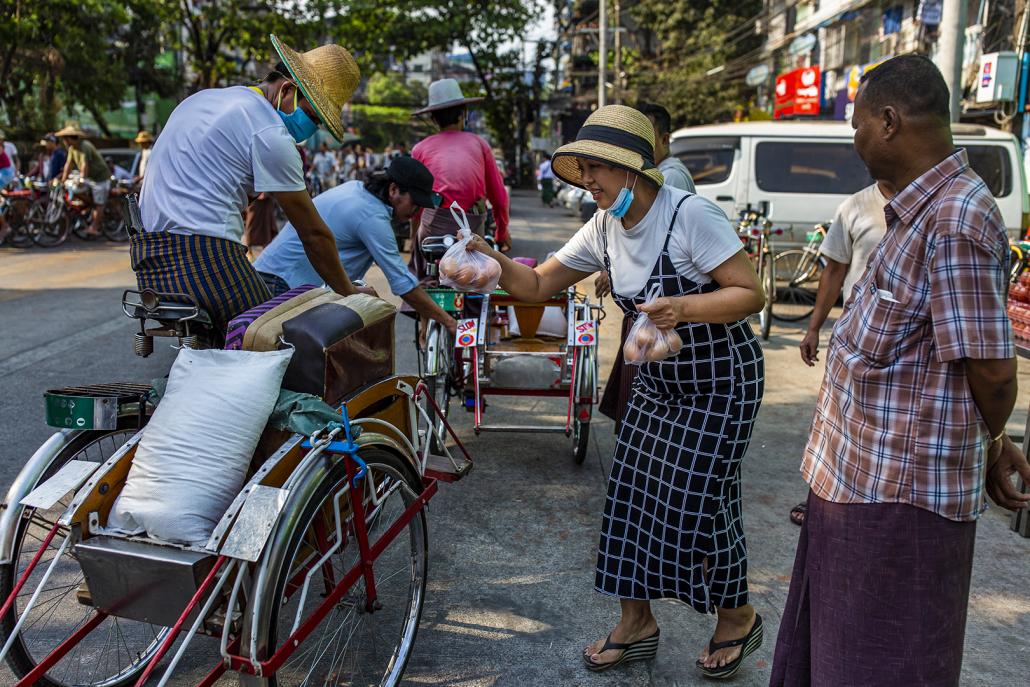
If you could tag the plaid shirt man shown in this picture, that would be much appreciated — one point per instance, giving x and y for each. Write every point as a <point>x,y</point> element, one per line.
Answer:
<point>896,421</point>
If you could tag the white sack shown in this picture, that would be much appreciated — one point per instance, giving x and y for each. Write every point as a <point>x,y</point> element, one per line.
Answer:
<point>193,457</point>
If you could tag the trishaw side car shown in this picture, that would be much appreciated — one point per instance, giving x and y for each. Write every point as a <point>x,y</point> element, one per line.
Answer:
<point>485,358</point>
<point>314,575</point>
<point>560,367</point>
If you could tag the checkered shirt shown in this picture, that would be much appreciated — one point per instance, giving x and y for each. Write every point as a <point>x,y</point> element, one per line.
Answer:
<point>896,421</point>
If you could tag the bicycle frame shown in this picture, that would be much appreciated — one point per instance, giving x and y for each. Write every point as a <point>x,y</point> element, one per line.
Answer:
<point>226,568</point>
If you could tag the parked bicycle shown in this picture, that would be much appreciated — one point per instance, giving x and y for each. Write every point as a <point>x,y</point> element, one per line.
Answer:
<point>21,213</point>
<point>756,232</point>
<point>797,278</point>
<point>1019,254</point>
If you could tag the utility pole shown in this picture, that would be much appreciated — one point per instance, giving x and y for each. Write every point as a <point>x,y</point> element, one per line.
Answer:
<point>949,50</point>
<point>602,55</point>
<point>617,79</point>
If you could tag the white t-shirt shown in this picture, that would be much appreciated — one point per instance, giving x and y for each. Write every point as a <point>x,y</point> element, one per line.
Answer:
<point>676,174</point>
<point>702,240</point>
<point>324,163</point>
<point>857,229</point>
<point>220,146</point>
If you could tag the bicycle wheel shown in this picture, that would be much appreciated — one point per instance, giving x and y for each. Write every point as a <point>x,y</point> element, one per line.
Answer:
<point>797,283</point>
<point>582,412</point>
<point>352,644</point>
<point>117,650</point>
<point>19,235</point>
<point>767,276</point>
<point>46,233</point>
<point>113,225</point>
<point>440,362</point>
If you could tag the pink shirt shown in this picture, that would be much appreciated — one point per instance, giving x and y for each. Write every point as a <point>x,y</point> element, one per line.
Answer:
<point>464,170</point>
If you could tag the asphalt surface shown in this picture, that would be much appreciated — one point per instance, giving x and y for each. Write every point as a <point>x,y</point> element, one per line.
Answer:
<point>510,597</point>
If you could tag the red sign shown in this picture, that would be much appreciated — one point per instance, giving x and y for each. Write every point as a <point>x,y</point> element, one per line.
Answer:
<point>797,93</point>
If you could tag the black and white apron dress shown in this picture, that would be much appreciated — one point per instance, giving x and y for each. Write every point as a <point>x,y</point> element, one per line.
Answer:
<point>674,490</point>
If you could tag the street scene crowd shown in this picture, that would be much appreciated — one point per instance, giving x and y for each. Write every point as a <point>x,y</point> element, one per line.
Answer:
<point>268,486</point>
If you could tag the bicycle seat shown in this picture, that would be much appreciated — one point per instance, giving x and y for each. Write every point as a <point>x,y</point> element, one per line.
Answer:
<point>16,193</point>
<point>166,308</point>
<point>433,247</point>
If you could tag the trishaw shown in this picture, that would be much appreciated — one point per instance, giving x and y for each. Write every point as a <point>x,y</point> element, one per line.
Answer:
<point>315,574</point>
<point>499,350</point>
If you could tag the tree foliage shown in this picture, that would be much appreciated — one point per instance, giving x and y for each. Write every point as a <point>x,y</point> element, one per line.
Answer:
<point>390,88</point>
<point>695,38</point>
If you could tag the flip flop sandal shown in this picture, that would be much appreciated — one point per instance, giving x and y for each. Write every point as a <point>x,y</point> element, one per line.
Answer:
<point>798,513</point>
<point>750,643</point>
<point>641,650</point>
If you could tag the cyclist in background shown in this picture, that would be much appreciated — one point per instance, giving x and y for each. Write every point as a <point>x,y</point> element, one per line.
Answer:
<point>83,156</point>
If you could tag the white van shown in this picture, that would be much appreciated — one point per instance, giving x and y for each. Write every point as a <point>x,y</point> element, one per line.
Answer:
<point>799,172</point>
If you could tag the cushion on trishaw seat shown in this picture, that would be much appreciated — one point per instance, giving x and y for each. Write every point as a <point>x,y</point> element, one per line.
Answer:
<point>239,325</point>
<point>342,342</point>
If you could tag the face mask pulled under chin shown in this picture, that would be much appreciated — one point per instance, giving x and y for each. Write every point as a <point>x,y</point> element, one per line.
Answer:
<point>623,201</point>
<point>298,123</point>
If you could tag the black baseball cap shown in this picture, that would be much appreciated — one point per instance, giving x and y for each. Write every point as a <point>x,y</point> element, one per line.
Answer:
<point>416,179</point>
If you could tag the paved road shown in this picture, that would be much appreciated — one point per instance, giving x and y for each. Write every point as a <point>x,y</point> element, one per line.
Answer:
<point>510,598</point>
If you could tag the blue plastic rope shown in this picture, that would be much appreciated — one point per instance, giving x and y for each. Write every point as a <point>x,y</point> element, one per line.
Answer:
<point>347,446</point>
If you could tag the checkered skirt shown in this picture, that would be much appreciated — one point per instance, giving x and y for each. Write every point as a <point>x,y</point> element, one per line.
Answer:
<point>674,490</point>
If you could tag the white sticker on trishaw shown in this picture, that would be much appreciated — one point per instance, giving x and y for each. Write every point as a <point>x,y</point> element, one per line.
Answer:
<point>467,334</point>
<point>254,524</point>
<point>68,478</point>
<point>585,333</point>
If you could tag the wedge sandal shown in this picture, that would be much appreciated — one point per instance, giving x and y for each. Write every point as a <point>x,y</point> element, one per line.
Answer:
<point>749,643</point>
<point>641,650</point>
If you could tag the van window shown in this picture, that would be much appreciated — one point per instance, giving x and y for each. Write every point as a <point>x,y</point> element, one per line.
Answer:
<point>993,165</point>
<point>810,167</point>
<point>710,160</point>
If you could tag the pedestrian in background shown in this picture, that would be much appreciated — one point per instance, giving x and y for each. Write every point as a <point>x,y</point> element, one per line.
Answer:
<point>8,169</point>
<point>909,428</point>
<point>145,140</point>
<point>856,230</point>
<point>12,152</point>
<point>545,176</point>
<point>58,157</point>
<point>672,168</point>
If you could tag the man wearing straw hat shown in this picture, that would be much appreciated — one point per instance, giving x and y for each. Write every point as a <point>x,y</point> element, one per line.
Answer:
<point>222,146</point>
<point>145,140</point>
<point>84,156</point>
<point>463,168</point>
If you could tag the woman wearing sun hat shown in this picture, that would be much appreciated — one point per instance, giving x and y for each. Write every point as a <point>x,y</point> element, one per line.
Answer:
<point>672,519</point>
<point>463,167</point>
<point>222,146</point>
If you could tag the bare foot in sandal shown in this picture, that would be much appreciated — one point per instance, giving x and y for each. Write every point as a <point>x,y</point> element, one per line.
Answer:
<point>626,632</point>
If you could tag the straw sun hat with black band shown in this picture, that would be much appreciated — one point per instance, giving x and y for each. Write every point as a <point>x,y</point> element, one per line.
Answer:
<point>614,135</point>
<point>327,76</point>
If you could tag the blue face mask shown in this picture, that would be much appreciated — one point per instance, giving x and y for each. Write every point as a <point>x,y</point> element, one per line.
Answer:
<point>622,202</point>
<point>297,122</point>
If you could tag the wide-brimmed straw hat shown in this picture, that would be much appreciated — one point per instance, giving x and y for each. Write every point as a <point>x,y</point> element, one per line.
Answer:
<point>327,76</point>
<point>144,137</point>
<point>444,94</point>
<point>615,135</point>
<point>71,130</point>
